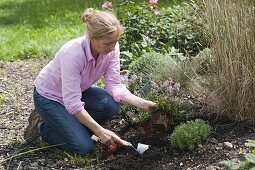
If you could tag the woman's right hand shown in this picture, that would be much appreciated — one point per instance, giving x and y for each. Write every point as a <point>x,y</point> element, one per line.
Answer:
<point>108,137</point>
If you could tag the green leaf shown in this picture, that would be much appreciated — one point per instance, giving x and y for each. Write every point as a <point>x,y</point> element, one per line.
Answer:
<point>235,164</point>
<point>250,143</point>
<point>253,151</point>
<point>252,168</point>
<point>127,53</point>
<point>250,157</point>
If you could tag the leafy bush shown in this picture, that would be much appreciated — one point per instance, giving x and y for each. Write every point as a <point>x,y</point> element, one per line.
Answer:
<point>188,135</point>
<point>150,64</point>
<point>246,162</point>
<point>148,29</point>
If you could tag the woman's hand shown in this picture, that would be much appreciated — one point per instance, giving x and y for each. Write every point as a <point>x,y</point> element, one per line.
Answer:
<point>109,138</point>
<point>139,102</point>
<point>146,105</point>
<point>106,136</point>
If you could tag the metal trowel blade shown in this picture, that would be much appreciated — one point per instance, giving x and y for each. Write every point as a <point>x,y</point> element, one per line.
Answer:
<point>141,148</point>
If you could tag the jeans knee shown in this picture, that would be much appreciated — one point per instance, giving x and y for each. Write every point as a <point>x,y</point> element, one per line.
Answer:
<point>112,108</point>
<point>83,148</point>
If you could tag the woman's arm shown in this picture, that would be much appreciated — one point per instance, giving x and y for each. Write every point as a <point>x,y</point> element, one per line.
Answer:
<point>138,102</point>
<point>117,89</point>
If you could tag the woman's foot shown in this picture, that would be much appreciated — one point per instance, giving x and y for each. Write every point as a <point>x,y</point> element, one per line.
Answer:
<point>32,133</point>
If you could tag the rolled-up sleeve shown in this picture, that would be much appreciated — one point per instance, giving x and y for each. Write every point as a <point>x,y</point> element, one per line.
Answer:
<point>112,78</point>
<point>71,79</point>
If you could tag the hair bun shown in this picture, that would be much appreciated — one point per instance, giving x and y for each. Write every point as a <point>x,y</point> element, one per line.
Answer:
<point>88,14</point>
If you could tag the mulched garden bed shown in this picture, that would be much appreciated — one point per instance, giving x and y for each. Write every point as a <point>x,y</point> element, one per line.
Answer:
<point>16,104</point>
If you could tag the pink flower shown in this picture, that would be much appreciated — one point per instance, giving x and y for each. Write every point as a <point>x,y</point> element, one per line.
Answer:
<point>107,5</point>
<point>165,84</point>
<point>170,90</point>
<point>177,87</point>
<point>154,86</point>
<point>153,2</point>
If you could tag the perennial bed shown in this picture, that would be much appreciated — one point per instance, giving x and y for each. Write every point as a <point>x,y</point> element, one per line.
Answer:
<point>17,83</point>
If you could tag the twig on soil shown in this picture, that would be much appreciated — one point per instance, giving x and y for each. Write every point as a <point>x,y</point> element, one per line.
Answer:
<point>30,151</point>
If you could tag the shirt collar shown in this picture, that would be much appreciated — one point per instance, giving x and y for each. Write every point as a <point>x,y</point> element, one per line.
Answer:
<point>87,49</point>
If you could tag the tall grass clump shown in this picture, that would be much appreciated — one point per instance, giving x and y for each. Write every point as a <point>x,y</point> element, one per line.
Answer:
<point>232,30</point>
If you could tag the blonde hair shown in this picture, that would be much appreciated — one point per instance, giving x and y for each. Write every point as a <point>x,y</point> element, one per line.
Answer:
<point>100,24</point>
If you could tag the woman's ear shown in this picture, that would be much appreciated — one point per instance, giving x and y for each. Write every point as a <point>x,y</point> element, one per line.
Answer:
<point>91,38</point>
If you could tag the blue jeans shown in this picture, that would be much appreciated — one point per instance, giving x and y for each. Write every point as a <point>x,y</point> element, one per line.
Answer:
<point>60,127</point>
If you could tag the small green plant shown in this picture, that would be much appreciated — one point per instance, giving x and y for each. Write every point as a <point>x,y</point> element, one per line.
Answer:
<point>12,96</point>
<point>165,93</point>
<point>246,162</point>
<point>134,115</point>
<point>83,161</point>
<point>168,98</point>
<point>144,117</point>
<point>188,135</point>
<point>100,82</point>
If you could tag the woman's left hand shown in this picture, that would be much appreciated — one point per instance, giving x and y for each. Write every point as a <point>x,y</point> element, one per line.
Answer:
<point>147,105</point>
<point>139,102</point>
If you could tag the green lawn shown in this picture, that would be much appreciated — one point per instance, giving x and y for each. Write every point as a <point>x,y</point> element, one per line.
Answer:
<point>32,28</point>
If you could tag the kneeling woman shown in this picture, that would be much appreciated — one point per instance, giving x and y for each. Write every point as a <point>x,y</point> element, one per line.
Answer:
<point>68,109</point>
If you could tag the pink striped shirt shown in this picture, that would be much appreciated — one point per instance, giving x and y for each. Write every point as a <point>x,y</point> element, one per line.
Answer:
<point>74,70</point>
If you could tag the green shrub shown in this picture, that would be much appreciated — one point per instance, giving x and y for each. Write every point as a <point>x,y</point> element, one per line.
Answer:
<point>150,64</point>
<point>188,135</point>
<point>202,61</point>
<point>177,26</point>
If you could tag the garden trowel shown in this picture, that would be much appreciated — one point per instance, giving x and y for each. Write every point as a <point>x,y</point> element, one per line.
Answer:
<point>141,148</point>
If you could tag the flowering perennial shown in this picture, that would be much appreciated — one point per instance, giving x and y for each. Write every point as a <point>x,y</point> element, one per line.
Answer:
<point>153,2</point>
<point>107,5</point>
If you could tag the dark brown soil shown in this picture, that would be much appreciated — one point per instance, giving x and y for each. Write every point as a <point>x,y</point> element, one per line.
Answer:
<point>16,104</point>
<point>162,156</point>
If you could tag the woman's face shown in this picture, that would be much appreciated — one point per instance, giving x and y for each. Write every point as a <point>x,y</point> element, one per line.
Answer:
<point>106,45</point>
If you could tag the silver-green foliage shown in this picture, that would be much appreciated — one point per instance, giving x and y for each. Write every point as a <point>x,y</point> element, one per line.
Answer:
<point>246,162</point>
<point>157,67</point>
<point>188,135</point>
